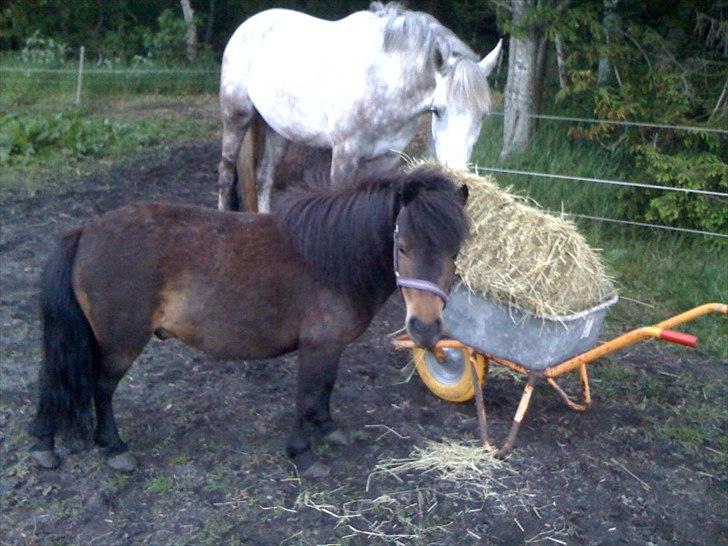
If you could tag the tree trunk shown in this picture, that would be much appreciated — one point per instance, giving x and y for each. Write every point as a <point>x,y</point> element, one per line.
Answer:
<point>539,69</point>
<point>561,63</point>
<point>188,14</point>
<point>210,26</point>
<point>519,92</point>
<point>610,22</point>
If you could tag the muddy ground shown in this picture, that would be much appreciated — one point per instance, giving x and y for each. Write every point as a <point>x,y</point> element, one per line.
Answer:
<point>209,435</point>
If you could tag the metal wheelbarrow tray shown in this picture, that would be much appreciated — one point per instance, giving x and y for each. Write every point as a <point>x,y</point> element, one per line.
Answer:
<point>482,331</point>
<point>507,332</point>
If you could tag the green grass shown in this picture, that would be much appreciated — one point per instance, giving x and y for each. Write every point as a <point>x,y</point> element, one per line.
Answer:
<point>658,273</point>
<point>50,140</point>
<point>160,484</point>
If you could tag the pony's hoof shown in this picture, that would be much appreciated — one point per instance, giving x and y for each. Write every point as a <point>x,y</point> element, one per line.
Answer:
<point>337,438</point>
<point>123,462</point>
<point>46,458</point>
<point>315,471</point>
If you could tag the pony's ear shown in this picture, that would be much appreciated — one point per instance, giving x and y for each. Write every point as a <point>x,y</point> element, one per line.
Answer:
<point>463,194</point>
<point>490,61</point>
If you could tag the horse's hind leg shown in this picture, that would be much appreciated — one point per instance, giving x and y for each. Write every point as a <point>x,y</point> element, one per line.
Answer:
<point>273,152</point>
<point>235,121</point>
<point>316,377</point>
<point>107,436</point>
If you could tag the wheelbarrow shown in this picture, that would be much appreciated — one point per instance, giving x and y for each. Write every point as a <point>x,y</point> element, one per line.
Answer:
<point>481,331</point>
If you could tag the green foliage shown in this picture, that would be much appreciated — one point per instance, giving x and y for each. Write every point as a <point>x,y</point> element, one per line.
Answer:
<point>43,51</point>
<point>662,78</point>
<point>70,133</point>
<point>168,42</point>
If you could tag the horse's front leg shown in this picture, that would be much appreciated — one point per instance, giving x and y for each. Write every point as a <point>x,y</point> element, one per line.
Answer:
<point>316,377</point>
<point>344,165</point>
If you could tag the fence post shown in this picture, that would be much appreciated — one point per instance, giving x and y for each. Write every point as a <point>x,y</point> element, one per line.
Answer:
<point>80,75</point>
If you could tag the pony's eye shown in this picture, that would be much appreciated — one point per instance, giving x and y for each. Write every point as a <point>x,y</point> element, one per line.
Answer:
<point>435,112</point>
<point>402,251</point>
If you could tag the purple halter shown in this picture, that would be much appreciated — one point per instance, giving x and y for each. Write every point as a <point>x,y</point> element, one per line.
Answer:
<point>417,284</point>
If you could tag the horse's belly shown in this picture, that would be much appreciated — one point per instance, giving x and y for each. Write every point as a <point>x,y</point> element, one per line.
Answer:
<point>227,325</point>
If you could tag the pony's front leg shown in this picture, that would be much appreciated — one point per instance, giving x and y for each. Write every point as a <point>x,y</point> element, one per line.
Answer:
<point>344,165</point>
<point>316,377</point>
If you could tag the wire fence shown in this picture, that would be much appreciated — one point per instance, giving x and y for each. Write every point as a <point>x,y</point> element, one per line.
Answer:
<point>626,123</point>
<point>478,169</point>
<point>80,84</point>
<point>34,82</point>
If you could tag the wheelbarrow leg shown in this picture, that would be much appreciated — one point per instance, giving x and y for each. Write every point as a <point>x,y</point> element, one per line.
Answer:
<point>479,404</point>
<point>518,418</point>
<point>585,392</point>
<point>586,395</point>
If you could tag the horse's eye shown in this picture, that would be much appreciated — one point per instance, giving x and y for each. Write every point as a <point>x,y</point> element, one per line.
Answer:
<point>435,112</point>
<point>402,251</point>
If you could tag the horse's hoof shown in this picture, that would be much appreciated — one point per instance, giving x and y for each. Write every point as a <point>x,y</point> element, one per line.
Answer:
<point>123,462</point>
<point>337,438</point>
<point>46,458</point>
<point>315,471</point>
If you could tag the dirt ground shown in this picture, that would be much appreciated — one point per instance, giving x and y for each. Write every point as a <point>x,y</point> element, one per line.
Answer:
<point>209,435</point>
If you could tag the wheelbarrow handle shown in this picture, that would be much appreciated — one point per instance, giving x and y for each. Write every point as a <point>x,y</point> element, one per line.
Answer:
<point>680,338</point>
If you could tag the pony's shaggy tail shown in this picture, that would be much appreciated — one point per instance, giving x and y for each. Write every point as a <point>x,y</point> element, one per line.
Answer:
<point>71,351</point>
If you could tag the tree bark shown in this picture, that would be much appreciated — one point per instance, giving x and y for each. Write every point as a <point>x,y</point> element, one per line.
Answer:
<point>561,63</point>
<point>519,92</point>
<point>188,14</point>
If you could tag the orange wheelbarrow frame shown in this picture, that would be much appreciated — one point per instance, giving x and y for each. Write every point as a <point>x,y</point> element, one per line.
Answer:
<point>661,330</point>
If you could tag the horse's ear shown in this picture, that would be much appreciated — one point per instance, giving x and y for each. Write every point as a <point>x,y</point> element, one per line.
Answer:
<point>490,61</point>
<point>463,194</point>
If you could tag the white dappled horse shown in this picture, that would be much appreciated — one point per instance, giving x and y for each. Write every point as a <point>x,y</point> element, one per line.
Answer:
<point>357,86</point>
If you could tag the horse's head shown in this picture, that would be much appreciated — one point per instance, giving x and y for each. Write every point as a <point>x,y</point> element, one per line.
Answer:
<point>461,100</point>
<point>431,225</point>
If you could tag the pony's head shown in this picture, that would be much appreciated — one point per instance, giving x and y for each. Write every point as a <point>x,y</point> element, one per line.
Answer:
<point>430,228</point>
<point>460,103</point>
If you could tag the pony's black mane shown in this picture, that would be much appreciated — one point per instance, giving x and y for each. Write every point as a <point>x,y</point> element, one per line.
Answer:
<point>345,235</point>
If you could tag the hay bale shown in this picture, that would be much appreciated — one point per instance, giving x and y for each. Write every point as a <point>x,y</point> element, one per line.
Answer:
<point>524,256</point>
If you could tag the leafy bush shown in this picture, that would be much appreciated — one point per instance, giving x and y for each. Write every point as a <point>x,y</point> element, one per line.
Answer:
<point>168,42</point>
<point>75,136</point>
<point>653,79</point>
<point>45,51</point>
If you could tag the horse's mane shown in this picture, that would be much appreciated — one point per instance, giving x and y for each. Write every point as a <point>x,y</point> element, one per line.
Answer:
<point>426,39</point>
<point>419,33</point>
<point>345,235</point>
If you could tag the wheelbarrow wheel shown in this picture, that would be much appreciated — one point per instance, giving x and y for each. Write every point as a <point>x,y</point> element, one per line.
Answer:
<point>449,378</point>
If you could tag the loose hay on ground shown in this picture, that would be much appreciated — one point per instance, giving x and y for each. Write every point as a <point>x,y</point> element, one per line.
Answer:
<point>524,256</point>
<point>450,460</point>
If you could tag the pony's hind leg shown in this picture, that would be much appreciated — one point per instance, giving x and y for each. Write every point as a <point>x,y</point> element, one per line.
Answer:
<point>316,377</point>
<point>235,122</point>
<point>106,435</point>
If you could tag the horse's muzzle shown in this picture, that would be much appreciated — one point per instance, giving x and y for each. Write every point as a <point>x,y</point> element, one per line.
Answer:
<point>424,334</point>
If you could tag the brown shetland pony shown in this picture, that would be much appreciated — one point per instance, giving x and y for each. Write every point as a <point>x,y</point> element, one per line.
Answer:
<point>240,286</point>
